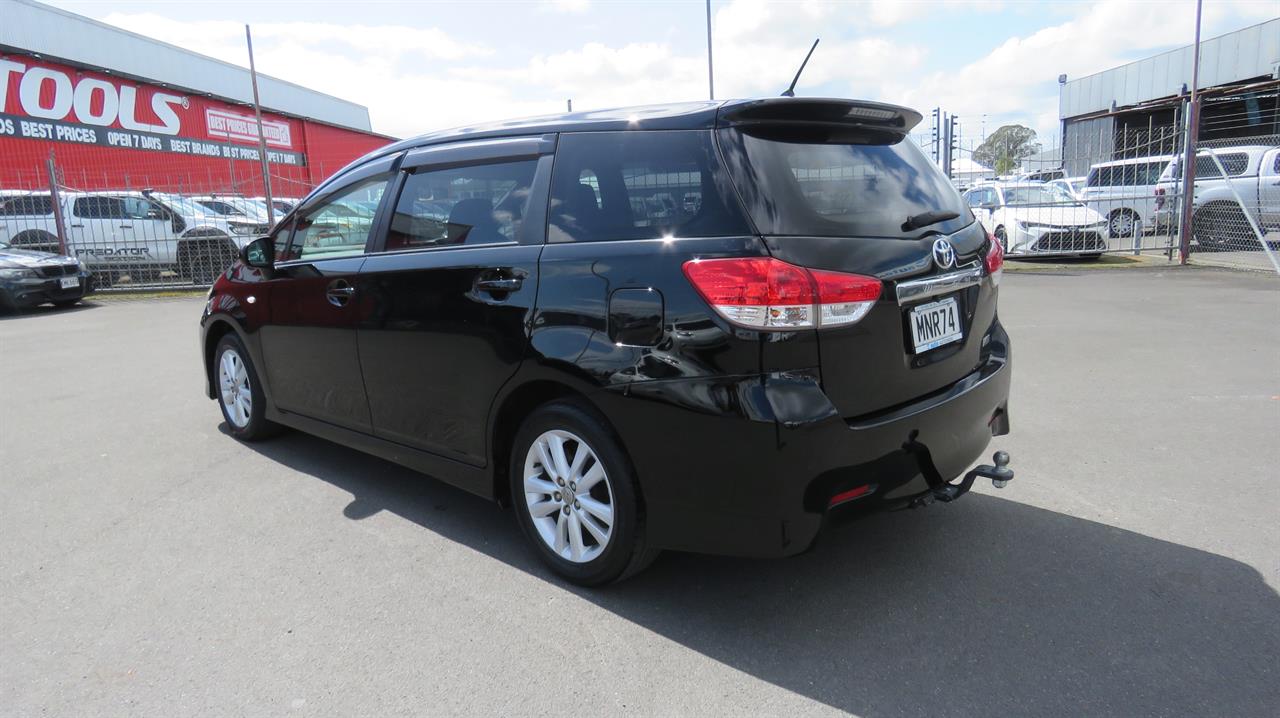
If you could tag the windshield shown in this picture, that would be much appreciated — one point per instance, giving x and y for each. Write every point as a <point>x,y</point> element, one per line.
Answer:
<point>1036,194</point>
<point>813,183</point>
<point>181,205</point>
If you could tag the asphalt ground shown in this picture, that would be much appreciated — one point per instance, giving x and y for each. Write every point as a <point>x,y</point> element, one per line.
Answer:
<point>153,566</point>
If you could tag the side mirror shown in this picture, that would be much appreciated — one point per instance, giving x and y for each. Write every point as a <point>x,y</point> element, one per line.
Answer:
<point>260,253</point>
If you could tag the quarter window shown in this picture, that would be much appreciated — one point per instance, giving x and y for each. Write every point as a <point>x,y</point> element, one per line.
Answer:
<point>481,204</point>
<point>640,185</point>
<point>340,226</point>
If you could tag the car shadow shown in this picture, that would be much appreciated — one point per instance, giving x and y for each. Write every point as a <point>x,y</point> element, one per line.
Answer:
<point>983,607</point>
<point>46,309</point>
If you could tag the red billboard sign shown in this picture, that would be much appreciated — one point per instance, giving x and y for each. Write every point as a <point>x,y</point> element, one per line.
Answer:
<point>51,102</point>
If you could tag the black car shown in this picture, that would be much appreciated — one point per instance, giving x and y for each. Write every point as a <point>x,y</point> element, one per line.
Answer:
<point>814,339</point>
<point>29,278</point>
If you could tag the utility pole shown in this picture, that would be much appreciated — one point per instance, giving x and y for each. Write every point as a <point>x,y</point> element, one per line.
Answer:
<point>262,140</point>
<point>711,76</point>
<point>1189,156</point>
<point>937,135</point>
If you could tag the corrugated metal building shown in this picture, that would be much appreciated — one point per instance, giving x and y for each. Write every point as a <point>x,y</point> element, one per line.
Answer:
<point>1137,109</point>
<point>119,110</point>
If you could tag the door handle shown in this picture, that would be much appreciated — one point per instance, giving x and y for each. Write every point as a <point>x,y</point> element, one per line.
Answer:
<point>77,226</point>
<point>126,226</point>
<point>508,284</point>
<point>339,292</point>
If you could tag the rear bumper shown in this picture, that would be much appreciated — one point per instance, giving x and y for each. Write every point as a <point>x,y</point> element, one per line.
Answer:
<point>747,466</point>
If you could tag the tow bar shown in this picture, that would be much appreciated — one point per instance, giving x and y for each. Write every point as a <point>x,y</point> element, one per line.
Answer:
<point>940,490</point>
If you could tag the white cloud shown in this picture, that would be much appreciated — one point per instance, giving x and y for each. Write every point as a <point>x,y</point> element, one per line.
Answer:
<point>418,79</point>
<point>569,6</point>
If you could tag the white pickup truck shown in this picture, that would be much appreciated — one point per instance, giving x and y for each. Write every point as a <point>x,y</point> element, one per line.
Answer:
<point>1218,218</point>
<point>132,233</point>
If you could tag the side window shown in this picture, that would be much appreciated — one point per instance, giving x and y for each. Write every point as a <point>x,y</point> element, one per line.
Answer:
<point>281,241</point>
<point>973,199</point>
<point>27,206</point>
<point>340,226</point>
<point>481,204</point>
<point>640,185</point>
<point>100,208</point>
<point>1235,163</point>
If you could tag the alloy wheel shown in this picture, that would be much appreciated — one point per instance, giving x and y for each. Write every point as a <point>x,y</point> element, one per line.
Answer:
<point>1121,224</point>
<point>237,395</point>
<point>568,496</point>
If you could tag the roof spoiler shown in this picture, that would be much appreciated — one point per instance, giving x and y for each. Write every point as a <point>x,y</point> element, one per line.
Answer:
<point>818,111</point>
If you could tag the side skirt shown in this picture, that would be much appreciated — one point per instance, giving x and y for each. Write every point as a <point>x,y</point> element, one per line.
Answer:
<point>464,476</point>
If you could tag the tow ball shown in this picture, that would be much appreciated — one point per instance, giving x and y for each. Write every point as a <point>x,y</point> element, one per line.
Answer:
<point>1000,476</point>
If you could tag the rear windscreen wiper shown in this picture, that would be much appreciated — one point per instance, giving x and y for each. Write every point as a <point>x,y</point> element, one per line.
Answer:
<point>924,219</point>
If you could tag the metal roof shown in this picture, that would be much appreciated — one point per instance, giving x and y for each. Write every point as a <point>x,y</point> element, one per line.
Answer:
<point>1234,57</point>
<point>57,34</point>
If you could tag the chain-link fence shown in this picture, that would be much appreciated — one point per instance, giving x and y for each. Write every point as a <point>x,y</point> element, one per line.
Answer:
<point>158,228</point>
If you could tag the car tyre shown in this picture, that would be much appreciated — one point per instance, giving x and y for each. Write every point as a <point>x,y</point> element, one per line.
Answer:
<point>239,391</point>
<point>207,261</point>
<point>1003,238</point>
<point>1121,223</point>
<point>1219,228</point>
<point>576,497</point>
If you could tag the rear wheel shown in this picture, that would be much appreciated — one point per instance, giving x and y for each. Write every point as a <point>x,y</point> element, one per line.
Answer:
<point>204,260</point>
<point>576,497</point>
<point>239,392</point>
<point>1221,227</point>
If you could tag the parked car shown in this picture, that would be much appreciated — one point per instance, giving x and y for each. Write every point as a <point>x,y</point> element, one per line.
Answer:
<point>29,278</point>
<point>1070,185</point>
<point>725,378</point>
<point>1037,218</point>
<point>234,206</point>
<point>1218,219</point>
<point>114,232</point>
<point>282,205</point>
<point>1041,176</point>
<point>1123,191</point>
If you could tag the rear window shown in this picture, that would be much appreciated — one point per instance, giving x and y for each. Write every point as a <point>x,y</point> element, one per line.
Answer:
<point>1130,175</point>
<point>640,185</point>
<point>1235,164</point>
<point>816,182</point>
<point>18,206</point>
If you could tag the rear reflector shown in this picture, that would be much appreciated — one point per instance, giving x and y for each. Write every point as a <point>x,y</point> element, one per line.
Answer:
<point>849,495</point>
<point>994,259</point>
<point>767,293</point>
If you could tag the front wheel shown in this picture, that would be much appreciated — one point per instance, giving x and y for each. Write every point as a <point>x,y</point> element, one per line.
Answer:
<point>1121,223</point>
<point>239,392</point>
<point>576,497</point>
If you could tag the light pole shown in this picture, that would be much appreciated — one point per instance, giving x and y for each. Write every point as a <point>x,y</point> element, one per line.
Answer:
<point>1188,159</point>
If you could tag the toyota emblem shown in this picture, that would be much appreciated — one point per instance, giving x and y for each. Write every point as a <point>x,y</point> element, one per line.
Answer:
<point>944,255</point>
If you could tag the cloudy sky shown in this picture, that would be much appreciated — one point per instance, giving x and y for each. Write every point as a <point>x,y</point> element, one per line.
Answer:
<point>420,66</point>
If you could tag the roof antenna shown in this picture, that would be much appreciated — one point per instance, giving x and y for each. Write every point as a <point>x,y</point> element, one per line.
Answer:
<point>791,91</point>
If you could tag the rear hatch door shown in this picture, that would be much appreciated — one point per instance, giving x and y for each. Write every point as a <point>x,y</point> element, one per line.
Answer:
<point>840,194</point>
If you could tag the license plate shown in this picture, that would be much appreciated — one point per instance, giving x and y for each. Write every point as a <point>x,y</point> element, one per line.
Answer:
<point>935,324</point>
<point>70,282</point>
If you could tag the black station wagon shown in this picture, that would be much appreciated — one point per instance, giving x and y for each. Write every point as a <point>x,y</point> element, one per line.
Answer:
<point>710,327</point>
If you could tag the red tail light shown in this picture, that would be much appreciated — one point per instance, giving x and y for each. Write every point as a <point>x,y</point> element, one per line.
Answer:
<point>994,259</point>
<point>1159,197</point>
<point>767,293</point>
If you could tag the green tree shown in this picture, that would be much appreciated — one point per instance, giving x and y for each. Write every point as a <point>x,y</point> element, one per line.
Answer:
<point>1005,148</point>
